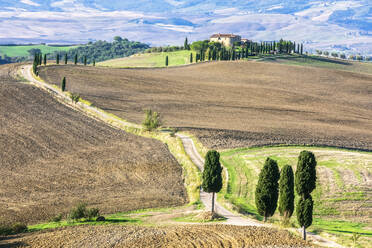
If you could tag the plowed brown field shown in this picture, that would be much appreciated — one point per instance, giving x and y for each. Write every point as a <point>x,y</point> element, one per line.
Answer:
<point>173,236</point>
<point>236,104</point>
<point>52,157</point>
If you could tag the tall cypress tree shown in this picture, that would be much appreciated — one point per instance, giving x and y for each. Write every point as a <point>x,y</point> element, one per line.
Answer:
<point>212,174</point>
<point>305,183</point>
<point>191,58</point>
<point>286,192</point>
<point>85,60</point>
<point>63,84</point>
<point>45,59</point>
<point>94,62</point>
<point>66,59</point>
<point>302,49</point>
<point>40,58</point>
<point>186,44</point>
<point>76,59</point>
<point>57,59</point>
<point>166,61</point>
<point>266,197</point>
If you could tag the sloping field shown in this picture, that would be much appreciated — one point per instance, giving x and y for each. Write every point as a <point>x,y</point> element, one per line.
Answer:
<point>173,236</point>
<point>236,104</point>
<point>52,157</point>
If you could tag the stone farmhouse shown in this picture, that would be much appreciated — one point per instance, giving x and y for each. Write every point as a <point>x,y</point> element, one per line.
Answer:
<point>227,39</point>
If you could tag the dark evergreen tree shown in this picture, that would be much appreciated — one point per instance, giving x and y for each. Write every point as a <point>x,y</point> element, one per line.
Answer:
<point>266,197</point>
<point>76,59</point>
<point>302,49</point>
<point>66,59</point>
<point>166,61</point>
<point>212,174</point>
<point>40,58</point>
<point>191,58</point>
<point>45,59</point>
<point>305,183</point>
<point>304,212</point>
<point>286,192</point>
<point>94,62</point>
<point>57,59</point>
<point>35,64</point>
<point>85,60</point>
<point>186,44</point>
<point>63,84</point>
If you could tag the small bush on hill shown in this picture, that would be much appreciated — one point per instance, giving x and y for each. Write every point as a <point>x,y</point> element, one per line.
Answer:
<point>81,211</point>
<point>152,120</point>
<point>56,218</point>
<point>13,229</point>
<point>75,98</point>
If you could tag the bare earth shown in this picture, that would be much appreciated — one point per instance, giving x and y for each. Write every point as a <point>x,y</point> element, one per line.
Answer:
<point>169,236</point>
<point>236,104</point>
<point>52,157</point>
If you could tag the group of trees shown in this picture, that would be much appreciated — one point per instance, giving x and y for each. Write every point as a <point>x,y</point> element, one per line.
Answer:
<point>103,50</point>
<point>273,185</point>
<point>268,189</point>
<point>343,56</point>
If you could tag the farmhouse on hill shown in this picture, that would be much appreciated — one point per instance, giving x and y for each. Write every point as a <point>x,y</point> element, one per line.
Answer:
<point>225,39</point>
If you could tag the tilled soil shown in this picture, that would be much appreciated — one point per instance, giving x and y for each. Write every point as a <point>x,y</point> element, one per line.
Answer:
<point>236,104</point>
<point>52,157</point>
<point>172,236</point>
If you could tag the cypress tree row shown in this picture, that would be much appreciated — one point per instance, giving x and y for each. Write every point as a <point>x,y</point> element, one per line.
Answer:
<point>45,59</point>
<point>63,84</point>
<point>57,59</point>
<point>305,183</point>
<point>212,177</point>
<point>76,59</point>
<point>266,197</point>
<point>66,59</point>
<point>166,61</point>
<point>286,193</point>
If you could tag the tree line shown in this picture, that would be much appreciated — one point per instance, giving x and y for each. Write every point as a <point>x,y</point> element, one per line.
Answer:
<point>273,185</point>
<point>343,56</point>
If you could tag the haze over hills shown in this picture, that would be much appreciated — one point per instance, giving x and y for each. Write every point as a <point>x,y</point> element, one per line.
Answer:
<point>333,25</point>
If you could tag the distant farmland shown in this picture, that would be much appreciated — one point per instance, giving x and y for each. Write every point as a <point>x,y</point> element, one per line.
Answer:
<point>21,51</point>
<point>238,103</point>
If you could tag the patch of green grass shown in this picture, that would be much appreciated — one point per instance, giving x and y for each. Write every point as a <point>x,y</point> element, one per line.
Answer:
<point>194,218</point>
<point>151,60</point>
<point>22,51</point>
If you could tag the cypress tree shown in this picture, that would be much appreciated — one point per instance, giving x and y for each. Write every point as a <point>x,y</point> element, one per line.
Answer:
<point>302,49</point>
<point>305,183</point>
<point>85,60</point>
<point>190,58</point>
<point>286,192</point>
<point>212,177</point>
<point>45,59</point>
<point>186,44</point>
<point>94,62</point>
<point>40,58</point>
<point>66,59</point>
<point>57,59</point>
<point>63,84</point>
<point>166,61</point>
<point>76,59</point>
<point>266,197</point>
<point>298,48</point>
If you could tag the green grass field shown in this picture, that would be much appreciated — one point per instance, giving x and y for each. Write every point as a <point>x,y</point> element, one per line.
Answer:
<point>317,61</point>
<point>342,197</point>
<point>150,60</point>
<point>21,51</point>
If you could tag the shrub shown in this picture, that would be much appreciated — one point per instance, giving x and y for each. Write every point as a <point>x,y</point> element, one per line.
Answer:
<point>75,98</point>
<point>79,212</point>
<point>326,53</point>
<point>19,228</point>
<point>152,120</point>
<point>91,213</point>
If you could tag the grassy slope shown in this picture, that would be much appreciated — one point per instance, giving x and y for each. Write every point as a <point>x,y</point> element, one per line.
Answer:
<point>317,61</point>
<point>335,198</point>
<point>150,60</point>
<point>14,51</point>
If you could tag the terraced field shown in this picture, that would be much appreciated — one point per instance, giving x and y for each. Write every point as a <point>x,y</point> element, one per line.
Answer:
<point>238,103</point>
<point>172,236</point>
<point>52,157</point>
<point>343,197</point>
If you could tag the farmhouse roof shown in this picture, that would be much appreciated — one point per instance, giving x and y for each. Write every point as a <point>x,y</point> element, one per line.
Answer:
<point>224,36</point>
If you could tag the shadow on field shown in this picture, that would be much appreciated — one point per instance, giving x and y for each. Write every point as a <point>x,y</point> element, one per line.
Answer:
<point>295,58</point>
<point>6,241</point>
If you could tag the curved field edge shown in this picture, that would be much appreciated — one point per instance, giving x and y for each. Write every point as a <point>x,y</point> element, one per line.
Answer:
<point>191,174</point>
<point>333,198</point>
